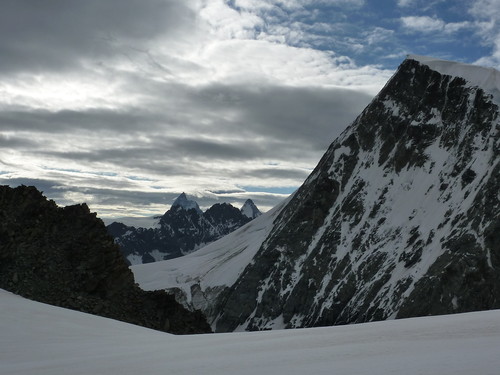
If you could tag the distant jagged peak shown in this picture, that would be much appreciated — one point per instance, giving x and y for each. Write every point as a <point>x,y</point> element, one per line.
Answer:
<point>185,203</point>
<point>250,210</point>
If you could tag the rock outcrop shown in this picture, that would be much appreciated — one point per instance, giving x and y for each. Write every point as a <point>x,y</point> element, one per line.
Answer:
<point>64,257</point>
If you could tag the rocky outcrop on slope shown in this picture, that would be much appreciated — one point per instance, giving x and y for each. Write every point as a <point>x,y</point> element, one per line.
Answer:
<point>64,257</point>
<point>400,218</point>
<point>183,229</point>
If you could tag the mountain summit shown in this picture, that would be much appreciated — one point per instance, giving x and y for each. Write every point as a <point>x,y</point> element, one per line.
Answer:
<point>400,218</point>
<point>250,210</point>
<point>186,204</point>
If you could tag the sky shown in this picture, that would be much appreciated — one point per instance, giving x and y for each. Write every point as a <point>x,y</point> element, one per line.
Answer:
<point>124,104</point>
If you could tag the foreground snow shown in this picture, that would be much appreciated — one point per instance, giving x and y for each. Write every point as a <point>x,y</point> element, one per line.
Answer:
<point>41,339</point>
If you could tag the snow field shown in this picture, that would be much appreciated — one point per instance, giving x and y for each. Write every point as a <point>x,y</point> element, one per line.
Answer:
<point>46,340</point>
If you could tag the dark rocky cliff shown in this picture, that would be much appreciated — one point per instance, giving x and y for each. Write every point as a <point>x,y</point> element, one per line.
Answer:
<point>64,257</point>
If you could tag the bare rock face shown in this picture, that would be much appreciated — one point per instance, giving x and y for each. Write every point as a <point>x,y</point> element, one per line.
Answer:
<point>64,257</point>
<point>400,218</point>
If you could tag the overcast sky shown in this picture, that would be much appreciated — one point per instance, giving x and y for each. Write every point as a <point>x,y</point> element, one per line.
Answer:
<point>124,104</point>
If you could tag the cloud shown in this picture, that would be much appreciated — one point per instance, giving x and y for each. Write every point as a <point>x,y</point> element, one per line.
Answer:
<point>124,104</point>
<point>378,35</point>
<point>405,3</point>
<point>486,14</point>
<point>426,24</point>
<point>232,123</point>
<point>60,35</point>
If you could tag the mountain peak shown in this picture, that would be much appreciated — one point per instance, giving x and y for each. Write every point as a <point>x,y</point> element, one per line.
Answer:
<point>185,203</point>
<point>400,218</point>
<point>486,78</point>
<point>250,210</point>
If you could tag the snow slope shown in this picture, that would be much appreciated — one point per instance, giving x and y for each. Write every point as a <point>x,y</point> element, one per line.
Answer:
<point>38,339</point>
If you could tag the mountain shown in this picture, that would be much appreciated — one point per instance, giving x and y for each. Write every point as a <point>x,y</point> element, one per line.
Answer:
<point>400,218</point>
<point>250,210</point>
<point>63,256</point>
<point>184,228</point>
<point>186,204</point>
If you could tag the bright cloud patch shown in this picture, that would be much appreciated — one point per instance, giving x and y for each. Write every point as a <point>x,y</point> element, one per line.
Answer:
<point>426,24</point>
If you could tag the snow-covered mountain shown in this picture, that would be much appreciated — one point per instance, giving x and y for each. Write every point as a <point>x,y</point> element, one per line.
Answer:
<point>186,204</point>
<point>38,339</point>
<point>184,228</point>
<point>400,218</point>
<point>250,210</point>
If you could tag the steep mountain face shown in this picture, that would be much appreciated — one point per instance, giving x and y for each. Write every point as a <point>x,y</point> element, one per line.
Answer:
<point>400,218</point>
<point>64,257</point>
<point>181,230</point>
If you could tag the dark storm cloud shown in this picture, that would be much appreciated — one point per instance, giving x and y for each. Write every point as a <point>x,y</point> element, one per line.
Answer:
<point>71,121</point>
<point>9,142</point>
<point>172,156</point>
<point>312,117</point>
<point>219,121</point>
<point>214,149</point>
<point>139,160</point>
<point>216,123</point>
<point>279,173</point>
<point>57,34</point>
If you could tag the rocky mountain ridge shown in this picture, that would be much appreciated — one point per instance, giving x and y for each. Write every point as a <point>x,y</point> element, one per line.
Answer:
<point>183,229</point>
<point>400,218</point>
<point>64,257</point>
